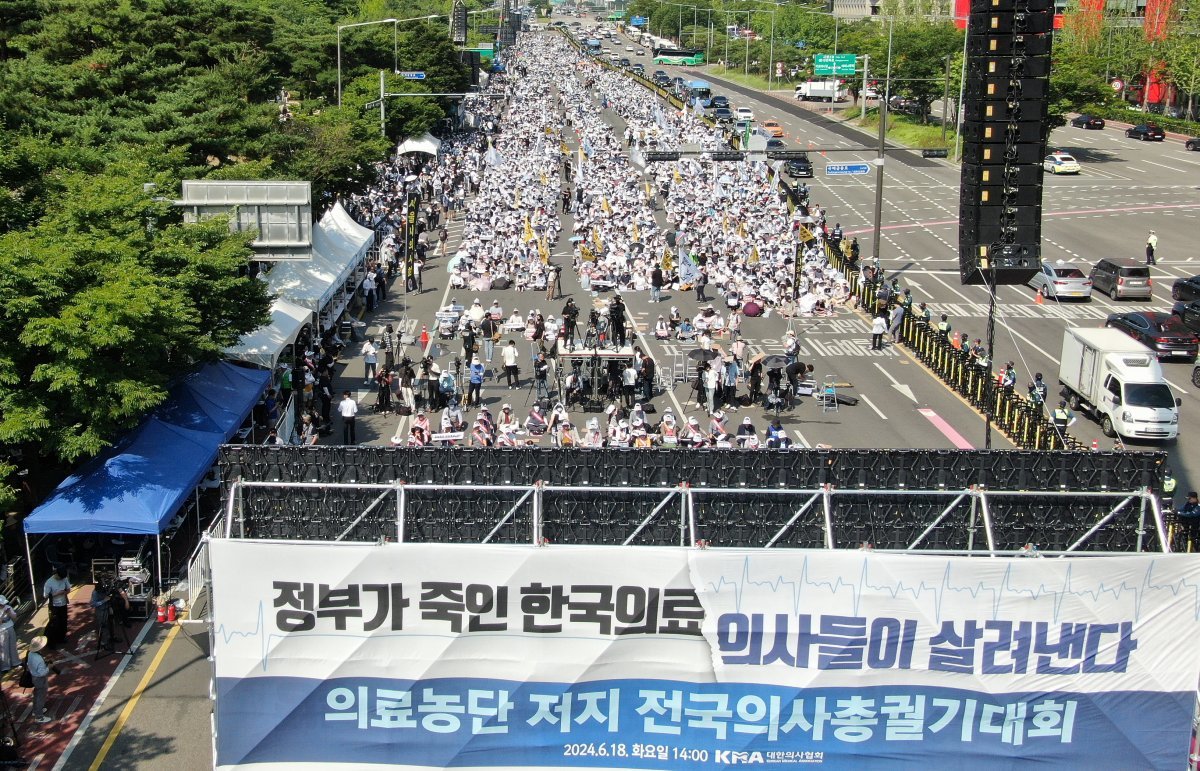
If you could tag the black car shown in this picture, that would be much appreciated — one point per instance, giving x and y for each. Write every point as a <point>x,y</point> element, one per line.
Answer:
<point>639,69</point>
<point>1147,132</point>
<point>799,167</point>
<point>624,63</point>
<point>1163,333</point>
<point>1192,144</point>
<point>718,101</point>
<point>1186,289</point>
<point>660,74</point>
<point>1087,122</point>
<point>774,143</point>
<point>723,115</point>
<point>1189,314</point>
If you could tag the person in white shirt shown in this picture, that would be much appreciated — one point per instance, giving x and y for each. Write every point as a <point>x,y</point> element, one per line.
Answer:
<point>55,591</point>
<point>348,409</point>
<point>370,355</point>
<point>510,355</point>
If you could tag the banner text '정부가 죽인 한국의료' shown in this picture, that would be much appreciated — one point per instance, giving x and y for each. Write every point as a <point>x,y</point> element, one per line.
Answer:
<point>431,656</point>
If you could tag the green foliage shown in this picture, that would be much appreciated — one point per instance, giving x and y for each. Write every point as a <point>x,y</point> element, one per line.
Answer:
<point>100,308</point>
<point>1076,80</point>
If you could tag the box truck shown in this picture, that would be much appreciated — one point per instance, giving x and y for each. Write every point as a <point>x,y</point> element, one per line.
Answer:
<point>1119,382</point>
<point>821,91</point>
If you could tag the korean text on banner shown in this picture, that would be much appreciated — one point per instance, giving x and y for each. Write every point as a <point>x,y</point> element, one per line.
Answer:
<point>657,658</point>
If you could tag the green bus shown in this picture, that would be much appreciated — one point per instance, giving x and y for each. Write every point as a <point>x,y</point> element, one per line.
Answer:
<point>678,56</point>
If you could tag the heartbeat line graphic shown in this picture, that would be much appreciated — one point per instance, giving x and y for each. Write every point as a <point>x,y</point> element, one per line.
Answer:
<point>808,581</point>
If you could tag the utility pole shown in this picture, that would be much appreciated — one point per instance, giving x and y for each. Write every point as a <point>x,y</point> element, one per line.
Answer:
<point>946,99</point>
<point>883,109</point>
<point>862,107</point>
<point>382,109</point>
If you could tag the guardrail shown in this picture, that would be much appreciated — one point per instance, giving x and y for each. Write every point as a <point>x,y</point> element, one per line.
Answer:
<point>1023,421</point>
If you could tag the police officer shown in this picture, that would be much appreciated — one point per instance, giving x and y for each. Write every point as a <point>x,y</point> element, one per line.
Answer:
<point>1062,416</point>
<point>1038,391</point>
<point>943,326</point>
<point>1167,499</point>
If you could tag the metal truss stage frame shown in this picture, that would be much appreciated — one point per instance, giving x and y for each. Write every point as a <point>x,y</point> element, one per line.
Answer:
<point>985,503</point>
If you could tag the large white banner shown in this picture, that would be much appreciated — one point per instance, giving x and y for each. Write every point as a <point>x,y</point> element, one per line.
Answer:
<point>419,656</point>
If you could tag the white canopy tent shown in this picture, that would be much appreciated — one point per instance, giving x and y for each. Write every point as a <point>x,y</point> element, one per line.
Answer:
<point>263,346</point>
<point>324,284</point>
<point>427,144</point>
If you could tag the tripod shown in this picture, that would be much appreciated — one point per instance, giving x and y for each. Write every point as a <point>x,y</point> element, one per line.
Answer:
<point>108,631</point>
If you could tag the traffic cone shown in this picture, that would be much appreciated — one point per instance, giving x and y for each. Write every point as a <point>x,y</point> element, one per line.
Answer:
<point>1038,299</point>
<point>1095,445</point>
<point>424,339</point>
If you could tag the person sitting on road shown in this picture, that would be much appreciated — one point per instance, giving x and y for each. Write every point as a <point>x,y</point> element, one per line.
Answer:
<point>662,330</point>
<point>686,331</point>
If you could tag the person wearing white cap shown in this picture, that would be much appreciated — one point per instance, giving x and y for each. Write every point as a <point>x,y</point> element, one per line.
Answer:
<point>746,432</point>
<point>8,636</point>
<point>593,437</point>
<point>39,672</point>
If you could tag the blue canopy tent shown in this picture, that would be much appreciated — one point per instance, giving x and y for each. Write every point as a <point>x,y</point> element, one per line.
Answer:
<point>137,486</point>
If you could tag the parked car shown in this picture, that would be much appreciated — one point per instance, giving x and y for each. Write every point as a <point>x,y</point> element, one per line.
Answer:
<point>1059,280</point>
<point>1147,132</point>
<point>1189,314</point>
<point>1192,144</point>
<point>773,128</point>
<point>1186,289</point>
<point>1120,278</point>
<point>1087,122</point>
<point>799,167</point>
<point>1061,163</point>
<point>1163,333</point>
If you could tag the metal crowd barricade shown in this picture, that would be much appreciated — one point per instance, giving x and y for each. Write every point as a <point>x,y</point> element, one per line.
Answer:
<point>1024,422</point>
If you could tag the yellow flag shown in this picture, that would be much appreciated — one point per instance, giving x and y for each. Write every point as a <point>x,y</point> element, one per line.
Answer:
<point>637,234</point>
<point>528,231</point>
<point>806,234</point>
<point>565,150</point>
<point>725,222</point>
<point>753,255</point>
<point>585,253</point>
<point>667,263</point>
<point>544,250</point>
<point>678,176</point>
<point>605,205</point>
<point>596,238</point>
<point>649,190</point>
<point>741,229</point>
<point>542,177</point>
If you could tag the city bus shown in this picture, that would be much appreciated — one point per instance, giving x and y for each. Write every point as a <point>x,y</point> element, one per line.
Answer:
<point>699,89</point>
<point>678,56</point>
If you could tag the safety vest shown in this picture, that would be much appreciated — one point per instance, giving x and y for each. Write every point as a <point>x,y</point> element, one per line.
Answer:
<point>1061,417</point>
<point>944,327</point>
<point>1168,485</point>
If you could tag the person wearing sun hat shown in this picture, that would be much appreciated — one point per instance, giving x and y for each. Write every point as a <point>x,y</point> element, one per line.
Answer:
<point>39,672</point>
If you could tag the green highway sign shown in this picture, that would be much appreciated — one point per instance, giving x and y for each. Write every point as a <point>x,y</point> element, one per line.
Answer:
<point>833,64</point>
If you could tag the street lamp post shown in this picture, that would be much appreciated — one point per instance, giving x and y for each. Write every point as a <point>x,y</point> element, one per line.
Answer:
<point>883,107</point>
<point>395,42</point>
<point>946,98</point>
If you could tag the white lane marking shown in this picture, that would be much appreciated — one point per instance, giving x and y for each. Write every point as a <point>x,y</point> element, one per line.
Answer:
<point>871,404</point>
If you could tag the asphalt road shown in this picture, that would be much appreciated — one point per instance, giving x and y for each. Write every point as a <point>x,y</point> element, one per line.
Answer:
<point>1126,189</point>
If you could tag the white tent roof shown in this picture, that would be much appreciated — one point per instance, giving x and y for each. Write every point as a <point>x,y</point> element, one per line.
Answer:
<point>339,246</point>
<point>263,345</point>
<point>427,144</point>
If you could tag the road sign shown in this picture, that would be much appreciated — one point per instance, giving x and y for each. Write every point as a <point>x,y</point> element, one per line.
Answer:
<point>375,103</point>
<point>638,21</point>
<point>1117,84</point>
<point>409,75</point>
<point>834,64</point>
<point>845,169</point>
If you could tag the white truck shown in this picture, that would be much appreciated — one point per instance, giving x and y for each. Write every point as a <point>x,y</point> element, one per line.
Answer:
<point>821,91</point>
<point>1120,382</point>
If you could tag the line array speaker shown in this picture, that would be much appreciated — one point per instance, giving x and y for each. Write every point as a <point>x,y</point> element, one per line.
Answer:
<point>1004,140</point>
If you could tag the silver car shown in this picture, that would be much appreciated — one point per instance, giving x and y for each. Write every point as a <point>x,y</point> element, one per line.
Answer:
<point>1060,279</point>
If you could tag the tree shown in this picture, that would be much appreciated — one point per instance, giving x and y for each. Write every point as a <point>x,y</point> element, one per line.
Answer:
<point>100,308</point>
<point>1076,81</point>
<point>1181,54</point>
